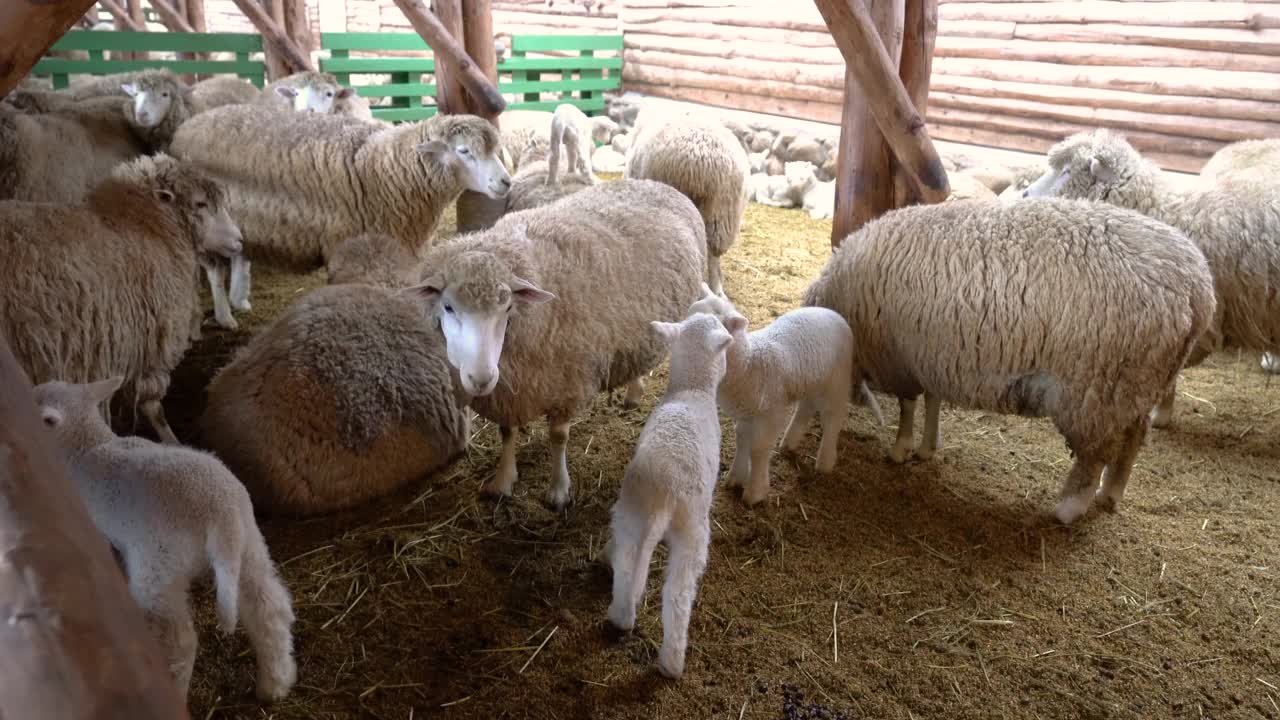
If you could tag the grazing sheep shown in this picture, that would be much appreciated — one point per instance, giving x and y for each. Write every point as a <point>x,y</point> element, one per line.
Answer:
<point>110,287</point>
<point>1236,225</point>
<point>633,253</point>
<point>572,129</point>
<point>702,159</point>
<point>669,486</point>
<point>305,92</point>
<point>301,183</point>
<point>223,90</point>
<point>964,301</point>
<point>174,514</point>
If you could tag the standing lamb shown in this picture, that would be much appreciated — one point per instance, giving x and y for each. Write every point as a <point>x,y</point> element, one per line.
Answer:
<point>702,159</point>
<point>301,183</point>
<point>579,297</point>
<point>669,486</point>
<point>109,287</point>
<point>1236,225</point>
<point>797,366</point>
<point>305,92</point>
<point>174,514</point>
<point>963,301</point>
<point>571,128</point>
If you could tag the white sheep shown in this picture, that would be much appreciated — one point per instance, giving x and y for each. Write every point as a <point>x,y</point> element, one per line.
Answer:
<point>669,486</point>
<point>964,301</point>
<point>702,159</point>
<point>579,297</point>
<point>110,287</point>
<point>572,129</point>
<point>1236,224</point>
<point>223,90</point>
<point>305,92</point>
<point>820,200</point>
<point>799,365</point>
<point>174,514</point>
<point>786,190</point>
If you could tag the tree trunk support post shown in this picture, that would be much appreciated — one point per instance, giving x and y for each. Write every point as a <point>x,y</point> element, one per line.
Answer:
<point>28,29</point>
<point>275,35</point>
<point>477,31</point>
<point>915,70</point>
<point>445,47</point>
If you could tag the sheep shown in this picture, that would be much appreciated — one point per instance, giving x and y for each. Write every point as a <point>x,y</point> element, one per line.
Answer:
<point>112,84</point>
<point>702,159</point>
<point>571,128</point>
<point>967,187</point>
<point>174,514</point>
<point>1236,225</point>
<point>110,287</point>
<point>964,301</point>
<point>786,190</point>
<point>343,398</point>
<point>525,132</point>
<point>300,183</point>
<point>356,107</point>
<point>797,366</point>
<point>374,260</point>
<point>633,253</point>
<point>1020,181</point>
<point>306,92</point>
<point>820,200</point>
<point>223,90</point>
<point>669,486</point>
<point>160,105</point>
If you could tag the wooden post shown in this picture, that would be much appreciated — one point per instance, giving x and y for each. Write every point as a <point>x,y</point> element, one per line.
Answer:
<point>921,30</point>
<point>73,644</point>
<point>295,16</point>
<point>277,66</point>
<point>477,29</point>
<point>195,16</point>
<point>170,16</point>
<point>27,29</point>
<point>140,20</point>
<point>443,45</point>
<point>274,34</point>
<point>451,98</point>
<point>864,183</point>
<point>865,56</point>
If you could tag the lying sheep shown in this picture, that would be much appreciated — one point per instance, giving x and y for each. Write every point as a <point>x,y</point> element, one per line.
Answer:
<point>110,287</point>
<point>572,129</point>
<point>223,90</point>
<point>301,183</point>
<point>703,160</point>
<point>111,84</point>
<point>1236,225</point>
<point>1020,181</point>
<point>964,301</point>
<point>967,187</point>
<point>669,486</point>
<point>526,137</point>
<point>305,92</point>
<point>820,200</point>
<point>786,190</point>
<point>175,514</point>
<point>633,253</point>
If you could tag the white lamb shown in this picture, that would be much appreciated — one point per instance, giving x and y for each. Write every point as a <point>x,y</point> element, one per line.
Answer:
<point>801,364</point>
<point>174,513</point>
<point>669,486</point>
<point>787,190</point>
<point>573,129</point>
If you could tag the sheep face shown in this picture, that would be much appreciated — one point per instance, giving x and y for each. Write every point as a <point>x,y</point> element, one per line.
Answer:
<point>697,345</point>
<point>1084,166</point>
<point>314,98</point>
<point>151,102</point>
<point>800,174</point>
<point>719,307</point>
<point>477,171</point>
<point>70,411</point>
<point>472,298</point>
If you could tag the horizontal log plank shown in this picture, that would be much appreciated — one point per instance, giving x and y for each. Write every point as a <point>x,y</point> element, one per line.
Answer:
<point>1247,16</point>
<point>1091,53</point>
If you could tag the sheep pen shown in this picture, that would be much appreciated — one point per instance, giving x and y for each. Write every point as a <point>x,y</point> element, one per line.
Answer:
<point>879,591</point>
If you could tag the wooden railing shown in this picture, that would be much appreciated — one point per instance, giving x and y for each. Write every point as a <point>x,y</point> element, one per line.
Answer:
<point>232,54</point>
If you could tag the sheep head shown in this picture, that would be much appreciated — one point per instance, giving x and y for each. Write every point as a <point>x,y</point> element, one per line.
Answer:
<point>1088,166</point>
<point>314,92</point>
<point>154,96</point>
<point>192,200</point>
<point>469,147</point>
<point>718,306</point>
<point>71,411</point>
<point>697,345</point>
<point>472,297</point>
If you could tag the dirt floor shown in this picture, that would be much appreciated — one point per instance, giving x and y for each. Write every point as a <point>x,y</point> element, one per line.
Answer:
<point>930,590</point>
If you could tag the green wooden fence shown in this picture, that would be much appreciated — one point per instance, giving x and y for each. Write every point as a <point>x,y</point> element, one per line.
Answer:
<point>239,46</point>
<point>402,93</point>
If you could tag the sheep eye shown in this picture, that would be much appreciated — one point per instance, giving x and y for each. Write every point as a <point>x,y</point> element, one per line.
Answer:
<point>50,421</point>
<point>201,205</point>
<point>329,94</point>
<point>164,95</point>
<point>464,150</point>
<point>448,309</point>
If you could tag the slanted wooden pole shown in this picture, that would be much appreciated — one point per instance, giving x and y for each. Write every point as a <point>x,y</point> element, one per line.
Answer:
<point>451,96</point>
<point>73,644</point>
<point>170,16</point>
<point>195,16</point>
<point>865,56</point>
<point>27,29</point>
<point>295,15</point>
<point>920,32</point>
<point>140,20</point>
<point>444,46</point>
<point>277,65</point>
<point>124,21</point>
<point>273,33</point>
<point>477,30</point>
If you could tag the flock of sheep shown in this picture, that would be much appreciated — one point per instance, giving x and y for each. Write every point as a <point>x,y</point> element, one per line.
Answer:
<point>121,196</point>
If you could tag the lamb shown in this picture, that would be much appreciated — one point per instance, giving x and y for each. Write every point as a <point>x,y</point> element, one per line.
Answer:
<point>110,287</point>
<point>343,398</point>
<point>820,200</point>
<point>306,92</point>
<point>570,128</point>
<point>634,253</point>
<point>786,190</point>
<point>174,514</point>
<point>963,301</point>
<point>797,366</point>
<point>669,487</point>
<point>223,90</point>
<point>1236,225</point>
<point>301,183</point>
<point>702,159</point>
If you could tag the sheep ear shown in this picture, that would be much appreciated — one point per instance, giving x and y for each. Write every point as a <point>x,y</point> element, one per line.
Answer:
<point>527,292</point>
<point>735,324</point>
<point>1100,171</point>
<point>345,92</point>
<point>286,92</point>
<point>665,331</point>
<point>130,89</point>
<point>102,390</point>
<point>164,196</point>
<point>429,289</point>
<point>706,290</point>
<point>720,340</point>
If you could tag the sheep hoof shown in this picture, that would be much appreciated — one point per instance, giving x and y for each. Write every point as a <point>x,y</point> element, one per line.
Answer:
<point>1104,502</point>
<point>1160,419</point>
<point>1271,363</point>
<point>925,453</point>
<point>899,454</point>
<point>671,668</point>
<point>242,306</point>
<point>753,496</point>
<point>825,467</point>
<point>622,619</point>
<point>629,404</point>
<point>1072,508</point>
<point>496,489</point>
<point>557,499</point>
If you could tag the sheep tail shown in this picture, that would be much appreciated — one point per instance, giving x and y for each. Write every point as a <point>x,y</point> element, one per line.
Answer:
<point>268,619</point>
<point>226,557</point>
<point>870,401</point>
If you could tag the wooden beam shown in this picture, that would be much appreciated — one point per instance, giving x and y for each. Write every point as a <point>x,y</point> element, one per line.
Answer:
<point>27,29</point>
<point>445,46</point>
<point>277,66</point>
<point>920,30</point>
<point>73,644</point>
<point>273,33</point>
<point>124,21</point>
<point>295,15</point>
<point>170,16</point>
<point>139,18</point>
<point>195,15</point>
<point>855,34</point>
<point>451,96</point>
<point>477,30</point>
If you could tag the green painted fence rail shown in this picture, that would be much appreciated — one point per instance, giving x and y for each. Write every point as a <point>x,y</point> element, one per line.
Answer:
<point>402,93</point>
<point>234,54</point>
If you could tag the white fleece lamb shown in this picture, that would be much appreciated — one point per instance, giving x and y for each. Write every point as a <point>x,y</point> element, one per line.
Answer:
<point>571,128</point>
<point>669,486</point>
<point>801,364</point>
<point>174,513</point>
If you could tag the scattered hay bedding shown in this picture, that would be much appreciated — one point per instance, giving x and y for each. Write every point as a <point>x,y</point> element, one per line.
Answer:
<point>879,592</point>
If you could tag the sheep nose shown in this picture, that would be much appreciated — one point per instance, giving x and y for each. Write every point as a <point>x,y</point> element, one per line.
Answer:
<point>1024,192</point>
<point>482,382</point>
<point>506,183</point>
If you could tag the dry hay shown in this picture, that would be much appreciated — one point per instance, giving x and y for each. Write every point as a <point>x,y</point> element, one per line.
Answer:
<point>920,591</point>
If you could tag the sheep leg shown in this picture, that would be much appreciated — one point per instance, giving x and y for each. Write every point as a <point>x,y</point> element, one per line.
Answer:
<point>558,495</point>
<point>741,468</point>
<point>1163,413</point>
<point>931,441</point>
<point>714,279</point>
<point>765,437</point>
<point>685,564</point>
<point>1116,475</point>
<point>240,283</point>
<point>168,618</point>
<point>906,430</point>
<point>505,479</point>
<point>635,393</point>
<point>1271,363</point>
<point>799,426</point>
<point>218,289</point>
<point>267,613</point>
<point>1078,490</point>
<point>631,548</point>
<point>834,411</point>
<point>151,390</point>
